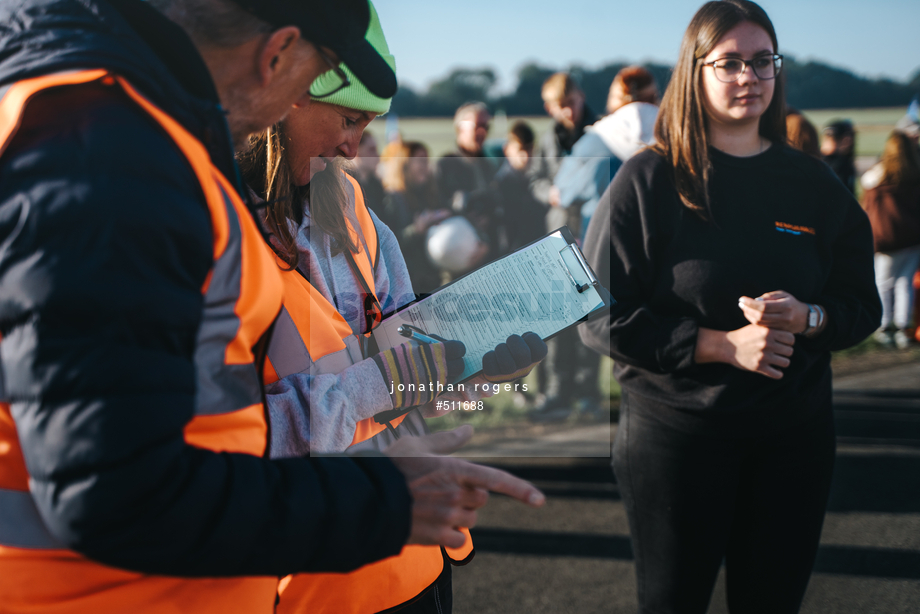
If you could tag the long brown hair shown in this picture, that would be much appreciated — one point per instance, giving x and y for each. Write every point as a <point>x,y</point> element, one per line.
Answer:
<point>635,84</point>
<point>265,169</point>
<point>394,178</point>
<point>900,160</point>
<point>680,130</point>
<point>801,134</point>
<point>418,197</point>
<point>394,168</point>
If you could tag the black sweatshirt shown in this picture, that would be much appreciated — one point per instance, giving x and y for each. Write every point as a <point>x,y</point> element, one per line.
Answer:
<point>780,220</point>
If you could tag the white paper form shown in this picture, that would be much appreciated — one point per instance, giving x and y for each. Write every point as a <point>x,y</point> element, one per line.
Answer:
<point>533,289</point>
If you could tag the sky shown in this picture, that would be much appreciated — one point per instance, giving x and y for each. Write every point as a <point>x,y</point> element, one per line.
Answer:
<point>872,38</point>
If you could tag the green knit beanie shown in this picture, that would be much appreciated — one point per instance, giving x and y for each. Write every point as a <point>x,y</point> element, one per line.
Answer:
<point>356,96</point>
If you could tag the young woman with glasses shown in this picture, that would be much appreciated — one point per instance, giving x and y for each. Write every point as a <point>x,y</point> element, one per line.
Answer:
<point>738,264</point>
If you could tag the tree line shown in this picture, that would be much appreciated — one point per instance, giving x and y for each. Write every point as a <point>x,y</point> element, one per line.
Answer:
<point>809,85</point>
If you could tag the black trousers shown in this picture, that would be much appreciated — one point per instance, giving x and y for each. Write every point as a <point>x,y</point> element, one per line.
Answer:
<point>757,503</point>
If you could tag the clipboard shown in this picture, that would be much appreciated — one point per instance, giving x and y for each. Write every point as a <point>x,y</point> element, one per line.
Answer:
<point>547,287</point>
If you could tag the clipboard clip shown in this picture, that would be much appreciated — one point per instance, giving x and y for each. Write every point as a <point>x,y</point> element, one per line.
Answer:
<point>584,266</point>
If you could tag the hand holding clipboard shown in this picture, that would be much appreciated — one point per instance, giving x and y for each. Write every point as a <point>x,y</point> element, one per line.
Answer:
<point>511,360</point>
<point>544,287</point>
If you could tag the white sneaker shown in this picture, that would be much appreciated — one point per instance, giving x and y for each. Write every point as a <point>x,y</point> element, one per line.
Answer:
<point>901,340</point>
<point>884,338</point>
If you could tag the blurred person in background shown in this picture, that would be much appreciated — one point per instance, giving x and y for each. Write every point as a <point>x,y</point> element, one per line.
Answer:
<point>327,390</point>
<point>571,369</point>
<point>801,134</point>
<point>838,147</point>
<point>390,155</point>
<point>909,124</point>
<point>365,171</point>
<point>393,149</point>
<point>464,178</point>
<point>893,207</point>
<point>522,214</point>
<point>632,105</point>
<point>410,209</point>
<point>631,84</point>
<point>725,448</point>
<point>565,103</point>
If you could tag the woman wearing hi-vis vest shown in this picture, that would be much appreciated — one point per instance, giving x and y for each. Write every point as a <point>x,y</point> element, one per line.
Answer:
<point>325,390</point>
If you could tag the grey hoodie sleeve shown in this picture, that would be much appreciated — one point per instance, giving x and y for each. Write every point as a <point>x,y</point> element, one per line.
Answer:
<point>318,413</point>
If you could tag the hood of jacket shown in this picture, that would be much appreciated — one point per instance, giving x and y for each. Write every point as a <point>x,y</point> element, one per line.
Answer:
<point>628,129</point>
<point>127,37</point>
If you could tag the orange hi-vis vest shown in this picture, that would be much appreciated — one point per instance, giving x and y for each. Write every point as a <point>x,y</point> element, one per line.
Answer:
<point>242,296</point>
<point>312,337</point>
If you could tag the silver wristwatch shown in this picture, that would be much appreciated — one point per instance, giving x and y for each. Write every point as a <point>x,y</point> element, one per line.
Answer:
<point>812,321</point>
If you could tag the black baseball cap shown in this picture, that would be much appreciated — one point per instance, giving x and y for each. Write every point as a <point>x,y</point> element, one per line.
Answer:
<point>340,25</point>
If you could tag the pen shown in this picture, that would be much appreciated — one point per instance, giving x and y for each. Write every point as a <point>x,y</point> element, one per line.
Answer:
<point>410,332</point>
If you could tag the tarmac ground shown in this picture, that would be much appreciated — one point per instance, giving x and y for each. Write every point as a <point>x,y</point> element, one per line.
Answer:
<point>574,555</point>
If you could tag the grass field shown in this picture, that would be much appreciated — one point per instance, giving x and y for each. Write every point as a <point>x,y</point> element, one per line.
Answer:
<point>872,126</point>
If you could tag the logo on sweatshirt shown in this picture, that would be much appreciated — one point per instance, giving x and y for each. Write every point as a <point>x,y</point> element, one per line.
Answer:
<point>793,229</point>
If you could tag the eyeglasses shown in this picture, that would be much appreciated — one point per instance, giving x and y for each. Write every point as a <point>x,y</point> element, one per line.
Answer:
<point>332,81</point>
<point>730,69</point>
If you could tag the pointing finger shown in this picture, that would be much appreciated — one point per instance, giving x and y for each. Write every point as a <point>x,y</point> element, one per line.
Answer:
<point>495,480</point>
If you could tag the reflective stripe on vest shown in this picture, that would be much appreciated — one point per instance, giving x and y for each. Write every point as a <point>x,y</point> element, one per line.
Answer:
<point>312,337</point>
<point>3,398</point>
<point>222,387</point>
<point>411,424</point>
<point>241,297</point>
<point>289,354</point>
<point>227,378</point>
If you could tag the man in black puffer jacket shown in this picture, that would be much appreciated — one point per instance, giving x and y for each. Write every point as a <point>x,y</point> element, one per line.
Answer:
<point>135,297</point>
